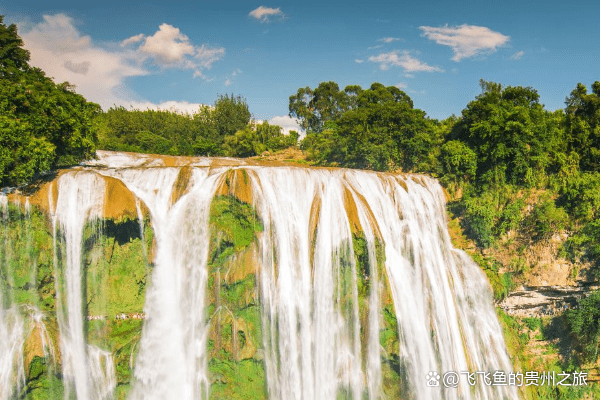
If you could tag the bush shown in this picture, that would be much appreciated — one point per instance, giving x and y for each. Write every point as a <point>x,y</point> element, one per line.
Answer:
<point>583,324</point>
<point>480,217</point>
<point>581,196</point>
<point>546,219</point>
<point>459,162</point>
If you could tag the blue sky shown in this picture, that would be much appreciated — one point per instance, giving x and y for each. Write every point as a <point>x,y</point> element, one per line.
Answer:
<point>150,54</point>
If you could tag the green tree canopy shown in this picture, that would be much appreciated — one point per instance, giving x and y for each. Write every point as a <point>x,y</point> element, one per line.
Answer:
<point>375,128</point>
<point>231,114</point>
<point>584,325</point>
<point>42,125</point>
<point>513,136</point>
<point>169,132</point>
<point>255,139</point>
<point>583,125</point>
<point>326,102</point>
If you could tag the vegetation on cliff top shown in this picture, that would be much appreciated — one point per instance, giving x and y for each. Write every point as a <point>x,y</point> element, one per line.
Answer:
<point>225,129</point>
<point>43,125</point>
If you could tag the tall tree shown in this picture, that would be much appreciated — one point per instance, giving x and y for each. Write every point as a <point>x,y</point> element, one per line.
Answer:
<point>13,57</point>
<point>583,125</point>
<point>513,136</point>
<point>314,108</point>
<point>42,125</point>
<point>375,128</point>
<point>231,114</point>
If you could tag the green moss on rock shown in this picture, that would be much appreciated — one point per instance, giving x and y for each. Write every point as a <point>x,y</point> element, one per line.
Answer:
<point>234,315</point>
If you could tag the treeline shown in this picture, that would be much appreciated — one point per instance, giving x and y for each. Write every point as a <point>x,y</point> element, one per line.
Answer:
<point>225,129</point>
<point>510,164</point>
<point>43,125</point>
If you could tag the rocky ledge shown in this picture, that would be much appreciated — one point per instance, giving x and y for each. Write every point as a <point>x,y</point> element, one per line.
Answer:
<point>538,301</point>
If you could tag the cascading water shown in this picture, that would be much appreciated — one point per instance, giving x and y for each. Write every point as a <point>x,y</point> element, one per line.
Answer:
<point>337,248</point>
<point>172,360</point>
<point>11,328</point>
<point>80,199</point>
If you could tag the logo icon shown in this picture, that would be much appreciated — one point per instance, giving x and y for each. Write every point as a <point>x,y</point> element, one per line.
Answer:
<point>451,379</point>
<point>433,379</point>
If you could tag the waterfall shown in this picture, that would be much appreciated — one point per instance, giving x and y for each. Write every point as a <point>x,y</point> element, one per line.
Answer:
<point>172,360</point>
<point>360,291</point>
<point>11,326</point>
<point>11,353</point>
<point>80,199</point>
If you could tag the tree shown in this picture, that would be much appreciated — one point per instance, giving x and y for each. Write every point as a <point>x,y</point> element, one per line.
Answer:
<point>230,114</point>
<point>583,323</point>
<point>459,161</point>
<point>313,108</point>
<point>583,125</point>
<point>13,57</point>
<point>513,136</point>
<point>255,139</point>
<point>42,125</point>
<point>376,128</point>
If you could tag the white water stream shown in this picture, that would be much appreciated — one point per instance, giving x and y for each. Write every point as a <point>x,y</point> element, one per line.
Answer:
<point>87,370</point>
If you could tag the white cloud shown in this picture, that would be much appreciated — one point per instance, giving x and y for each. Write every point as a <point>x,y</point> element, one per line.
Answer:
<point>389,39</point>
<point>60,50</point>
<point>133,39</point>
<point>403,60</point>
<point>208,55</point>
<point>169,48</point>
<point>99,72</point>
<point>287,123</point>
<point>518,55</point>
<point>359,60</point>
<point>264,14</point>
<point>401,85</point>
<point>58,34</point>
<point>466,40</point>
<point>230,78</point>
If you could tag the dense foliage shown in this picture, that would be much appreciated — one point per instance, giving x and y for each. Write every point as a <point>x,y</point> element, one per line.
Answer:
<point>584,324</point>
<point>583,125</point>
<point>516,141</point>
<point>502,149</point>
<point>226,129</point>
<point>43,125</point>
<point>376,128</point>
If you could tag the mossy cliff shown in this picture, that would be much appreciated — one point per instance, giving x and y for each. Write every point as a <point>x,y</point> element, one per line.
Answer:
<point>235,340</point>
<point>115,274</point>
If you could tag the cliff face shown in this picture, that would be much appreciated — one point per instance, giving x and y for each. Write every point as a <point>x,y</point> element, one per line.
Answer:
<point>114,283</point>
<point>146,277</point>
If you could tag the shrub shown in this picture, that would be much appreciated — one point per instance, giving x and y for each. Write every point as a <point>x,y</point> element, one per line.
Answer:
<point>583,324</point>
<point>459,161</point>
<point>481,214</point>
<point>546,219</point>
<point>581,196</point>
